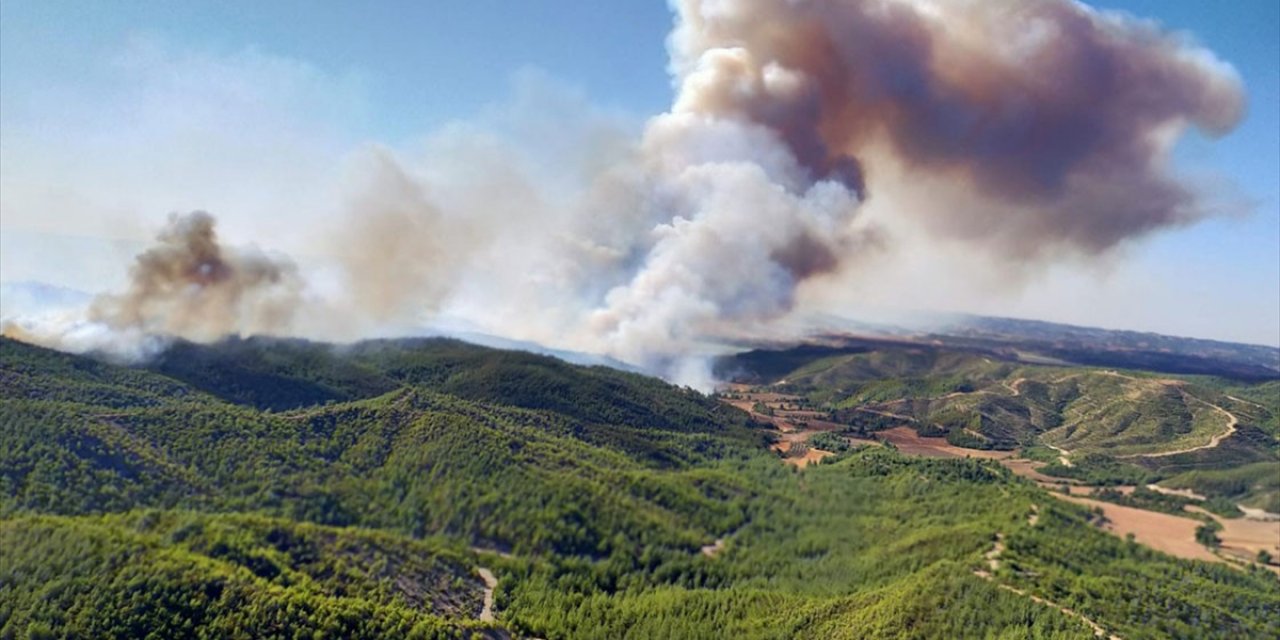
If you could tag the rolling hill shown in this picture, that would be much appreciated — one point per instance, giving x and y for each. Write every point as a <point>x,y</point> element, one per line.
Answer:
<point>1154,425</point>
<point>262,488</point>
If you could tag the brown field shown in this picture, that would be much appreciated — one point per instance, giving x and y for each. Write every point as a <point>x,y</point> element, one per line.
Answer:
<point>1243,538</point>
<point>911,443</point>
<point>1171,534</point>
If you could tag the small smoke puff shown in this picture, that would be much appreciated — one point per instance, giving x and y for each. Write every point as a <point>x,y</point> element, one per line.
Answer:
<point>189,285</point>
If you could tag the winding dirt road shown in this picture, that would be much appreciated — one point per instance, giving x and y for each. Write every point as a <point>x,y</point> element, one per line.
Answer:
<point>1232,423</point>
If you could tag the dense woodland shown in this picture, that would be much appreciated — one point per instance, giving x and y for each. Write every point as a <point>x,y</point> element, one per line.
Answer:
<point>282,489</point>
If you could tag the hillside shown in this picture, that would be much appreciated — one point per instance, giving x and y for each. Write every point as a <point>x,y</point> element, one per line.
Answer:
<point>1165,425</point>
<point>172,574</point>
<point>358,492</point>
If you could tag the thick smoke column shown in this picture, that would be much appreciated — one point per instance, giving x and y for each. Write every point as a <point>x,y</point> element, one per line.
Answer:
<point>1050,121</point>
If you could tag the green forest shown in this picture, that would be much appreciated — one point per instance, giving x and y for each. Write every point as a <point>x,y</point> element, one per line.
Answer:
<point>284,489</point>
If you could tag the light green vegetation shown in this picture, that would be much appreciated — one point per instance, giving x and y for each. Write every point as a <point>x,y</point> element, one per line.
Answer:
<point>1116,426</point>
<point>1254,485</point>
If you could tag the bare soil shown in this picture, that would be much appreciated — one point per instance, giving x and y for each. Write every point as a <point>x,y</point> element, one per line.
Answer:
<point>1243,538</point>
<point>912,443</point>
<point>1174,535</point>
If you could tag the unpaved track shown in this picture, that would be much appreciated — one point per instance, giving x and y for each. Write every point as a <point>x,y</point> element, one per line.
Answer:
<point>1013,385</point>
<point>490,583</point>
<point>1097,628</point>
<point>1062,455</point>
<point>1232,422</point>
<point>992,557</point>
<point>993,554</point>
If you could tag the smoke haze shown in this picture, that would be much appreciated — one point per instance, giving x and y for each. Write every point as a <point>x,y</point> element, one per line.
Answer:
<point>806,141</point>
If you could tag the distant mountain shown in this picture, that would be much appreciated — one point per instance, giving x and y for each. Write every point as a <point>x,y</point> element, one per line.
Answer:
<point>1071,339</point>
<point>572,357</point>
<point>1036,342</point>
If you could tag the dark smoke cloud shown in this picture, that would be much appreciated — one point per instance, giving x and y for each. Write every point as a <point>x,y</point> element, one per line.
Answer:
<point>1049,107</point>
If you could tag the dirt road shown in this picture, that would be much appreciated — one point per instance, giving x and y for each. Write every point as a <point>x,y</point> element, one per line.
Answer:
<point>490,583</point>
<point>1232,422</point>
<point>992,557</point>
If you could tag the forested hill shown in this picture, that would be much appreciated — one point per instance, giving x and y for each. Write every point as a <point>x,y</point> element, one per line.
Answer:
<point>282,489</point>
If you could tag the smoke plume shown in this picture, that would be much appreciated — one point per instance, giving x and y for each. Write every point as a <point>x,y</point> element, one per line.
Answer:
<point>1056,118</point>
<point>802,137</point>
<point>187,285</point>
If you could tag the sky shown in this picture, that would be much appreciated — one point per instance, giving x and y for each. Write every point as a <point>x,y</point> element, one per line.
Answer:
<point>114,114</point>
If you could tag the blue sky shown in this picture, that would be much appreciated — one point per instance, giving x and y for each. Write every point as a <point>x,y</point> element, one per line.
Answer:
<point>92,94</point>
